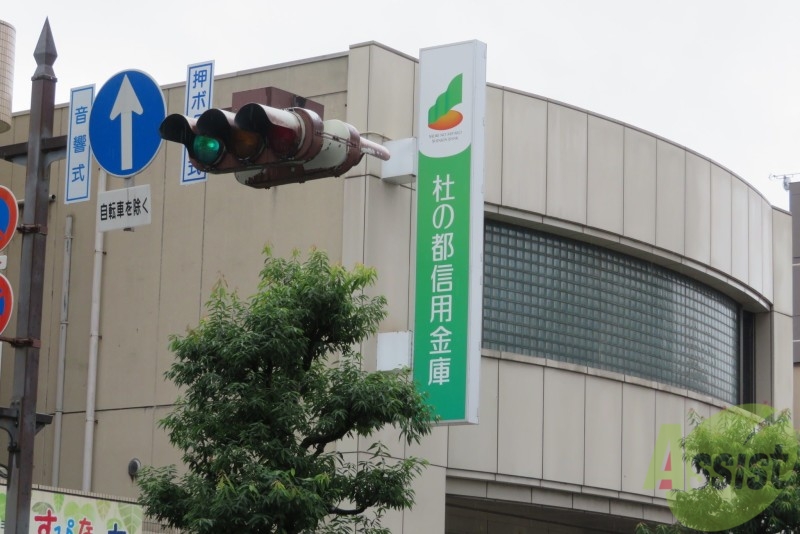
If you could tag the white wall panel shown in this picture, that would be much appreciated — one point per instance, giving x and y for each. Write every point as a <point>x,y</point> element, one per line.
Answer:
<point>640,186</point>
<point>524,153</point>
<point>670,410</point>
<point>603,465</point>
<point>520,419</point>
<point>566,163</point>
<point>638,437</point>
<point>721,219</point>
<point>494,146</point>
<point>766,249</point>
<point>782,367</point>
<point>670,196</point>
<point>754,240</point>
<point>564,411</point>
<point>782,261</point>
<point>605,173</point>
<point>698,208</point>
<point>474,447</point>
<point>740,228</point>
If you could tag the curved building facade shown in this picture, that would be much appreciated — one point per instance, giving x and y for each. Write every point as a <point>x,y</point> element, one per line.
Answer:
<point>628,282</point>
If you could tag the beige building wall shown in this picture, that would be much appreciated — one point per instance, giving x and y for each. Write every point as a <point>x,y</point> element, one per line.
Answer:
<point>157,278</point>
<point>550,434</point>
<point>564,170</point>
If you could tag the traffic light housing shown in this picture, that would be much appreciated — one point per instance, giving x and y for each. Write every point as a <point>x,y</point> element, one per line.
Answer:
<point>266,146</point>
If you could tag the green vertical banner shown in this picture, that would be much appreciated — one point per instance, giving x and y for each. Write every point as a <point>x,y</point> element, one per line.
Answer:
<point>449,246</point>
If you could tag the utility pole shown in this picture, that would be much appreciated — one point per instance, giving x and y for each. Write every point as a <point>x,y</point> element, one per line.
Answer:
<point>21,420</point>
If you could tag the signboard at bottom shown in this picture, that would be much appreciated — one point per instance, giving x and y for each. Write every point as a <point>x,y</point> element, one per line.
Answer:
<point>54,513</point>
<point>123,208</point>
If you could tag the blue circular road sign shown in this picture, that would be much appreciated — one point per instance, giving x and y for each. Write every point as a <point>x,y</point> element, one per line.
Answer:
<point>9,215</point>
<point>6,302</point>
<point>123,125</point>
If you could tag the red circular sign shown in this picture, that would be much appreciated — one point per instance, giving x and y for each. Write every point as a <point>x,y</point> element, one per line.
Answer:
<point>9,215</point>
<point>6,302</point>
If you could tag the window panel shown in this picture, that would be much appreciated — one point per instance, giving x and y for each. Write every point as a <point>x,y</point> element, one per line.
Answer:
<point>570,301</point>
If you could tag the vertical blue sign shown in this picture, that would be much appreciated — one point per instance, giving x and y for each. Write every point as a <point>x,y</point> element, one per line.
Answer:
<point>79,150</point>
<point>199,87</point>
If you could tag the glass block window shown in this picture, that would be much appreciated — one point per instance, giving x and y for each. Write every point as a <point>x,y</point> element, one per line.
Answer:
<point>570,301</point>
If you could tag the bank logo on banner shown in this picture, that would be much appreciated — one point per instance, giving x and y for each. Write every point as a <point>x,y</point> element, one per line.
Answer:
<point>442,116</point>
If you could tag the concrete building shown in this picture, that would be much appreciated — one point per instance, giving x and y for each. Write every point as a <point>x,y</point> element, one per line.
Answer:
<point>628,280</point>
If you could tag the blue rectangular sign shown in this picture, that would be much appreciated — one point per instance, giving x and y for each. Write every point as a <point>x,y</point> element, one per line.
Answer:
<point>79,150</point>
<point>199,86</point>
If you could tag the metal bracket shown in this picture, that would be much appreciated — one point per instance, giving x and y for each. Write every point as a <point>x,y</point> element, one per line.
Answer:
<point>9,421</point>
<point>22,342</point>
<point>32,229</point>
<point>18,153</point>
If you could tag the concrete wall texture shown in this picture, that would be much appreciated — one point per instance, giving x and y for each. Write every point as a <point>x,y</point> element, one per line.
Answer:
<point>550,434</point>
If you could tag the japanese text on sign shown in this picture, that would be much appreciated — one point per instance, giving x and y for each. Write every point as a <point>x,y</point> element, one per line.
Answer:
<point>199,86</point>
<point>441,350</point>
<point>441,304</point>
<point>119,208</point>
<point>123,208</point>
<point>79,151</point>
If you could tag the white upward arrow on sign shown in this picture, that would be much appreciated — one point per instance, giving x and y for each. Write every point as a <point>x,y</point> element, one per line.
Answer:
<point>126,104</point>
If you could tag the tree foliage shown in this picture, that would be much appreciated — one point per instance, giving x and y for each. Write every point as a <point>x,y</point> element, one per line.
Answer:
<point>269,384</point>
<point>716,497</point>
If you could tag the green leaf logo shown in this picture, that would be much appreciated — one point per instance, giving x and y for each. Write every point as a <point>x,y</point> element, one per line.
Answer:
<point>442,116</point>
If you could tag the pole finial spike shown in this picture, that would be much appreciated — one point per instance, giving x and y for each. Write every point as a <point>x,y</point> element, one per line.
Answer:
<point>45,54</point>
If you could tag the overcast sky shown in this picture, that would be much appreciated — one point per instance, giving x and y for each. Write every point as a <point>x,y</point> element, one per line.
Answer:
<point>718,76</point>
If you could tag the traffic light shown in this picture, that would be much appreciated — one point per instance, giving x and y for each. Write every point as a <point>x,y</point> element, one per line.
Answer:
<point>266,146</point>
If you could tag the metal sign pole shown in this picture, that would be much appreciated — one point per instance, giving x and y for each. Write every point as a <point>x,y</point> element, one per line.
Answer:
<point>30,290</point>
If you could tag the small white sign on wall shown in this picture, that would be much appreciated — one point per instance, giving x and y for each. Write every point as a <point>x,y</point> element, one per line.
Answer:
<point>123,208</point>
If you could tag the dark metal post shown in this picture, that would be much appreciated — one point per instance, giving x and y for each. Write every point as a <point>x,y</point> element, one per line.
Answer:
<point>30,290</point>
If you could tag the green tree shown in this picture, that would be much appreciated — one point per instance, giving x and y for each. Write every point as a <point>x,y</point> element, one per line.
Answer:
<point>765,494</point>
<point>270,383</point>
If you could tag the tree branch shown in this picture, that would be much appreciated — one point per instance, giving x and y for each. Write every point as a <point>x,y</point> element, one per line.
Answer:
<point>356,511</point>
<point>320,440</point>
<point>324,439</point>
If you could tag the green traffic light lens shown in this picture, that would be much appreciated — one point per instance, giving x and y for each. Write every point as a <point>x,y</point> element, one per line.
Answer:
<point>207,150</point>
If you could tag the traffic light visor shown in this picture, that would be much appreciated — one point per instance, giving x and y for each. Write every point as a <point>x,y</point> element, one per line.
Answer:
<point>179,129</point>
<point>288,133</point>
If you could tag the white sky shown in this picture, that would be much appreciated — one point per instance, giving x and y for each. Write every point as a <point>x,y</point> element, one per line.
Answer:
<point>718,76</point>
